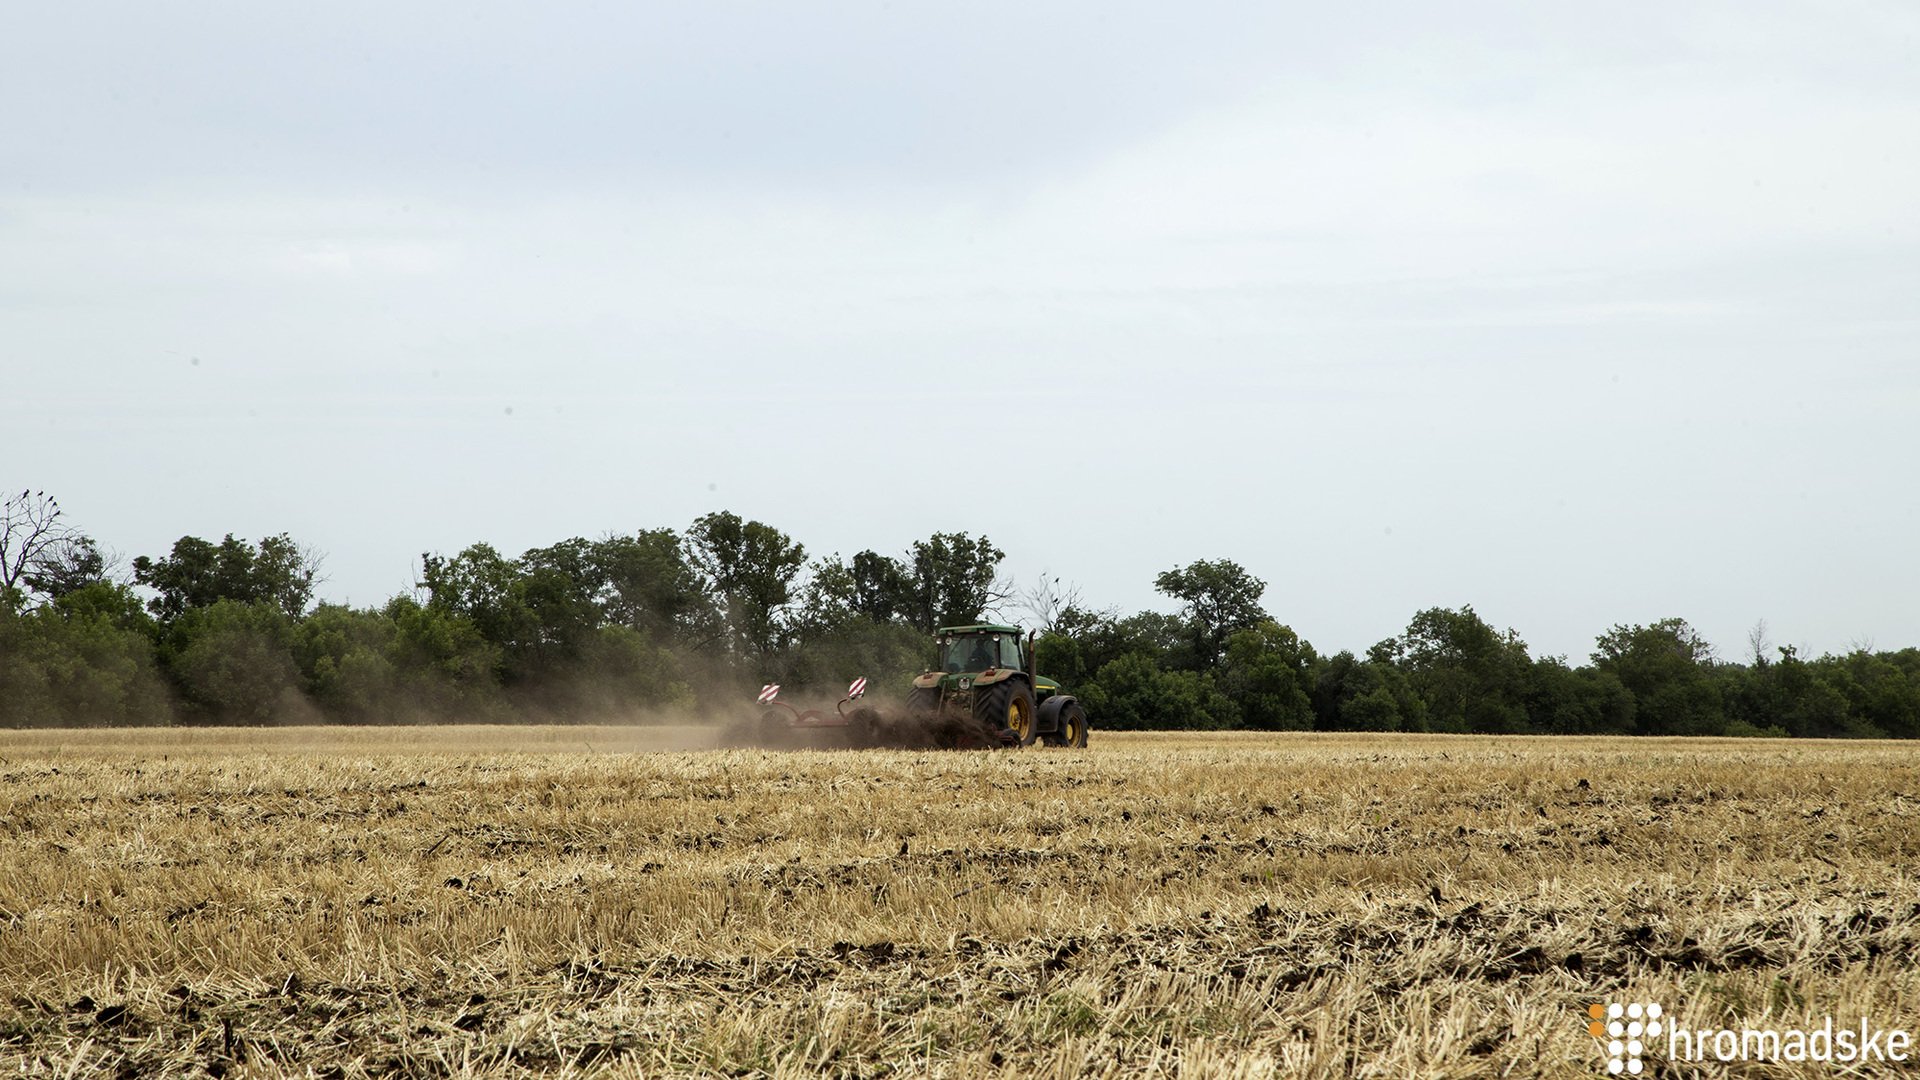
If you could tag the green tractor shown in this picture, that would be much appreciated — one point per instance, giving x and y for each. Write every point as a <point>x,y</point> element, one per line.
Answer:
<point>986,686</point>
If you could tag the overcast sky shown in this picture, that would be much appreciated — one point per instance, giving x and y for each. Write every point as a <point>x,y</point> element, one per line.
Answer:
<point>1582,315</point>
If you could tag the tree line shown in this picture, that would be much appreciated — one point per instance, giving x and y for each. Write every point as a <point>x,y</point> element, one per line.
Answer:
<point>676,623</point>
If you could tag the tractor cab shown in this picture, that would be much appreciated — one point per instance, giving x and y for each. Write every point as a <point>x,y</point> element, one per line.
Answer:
<point>976,649</point>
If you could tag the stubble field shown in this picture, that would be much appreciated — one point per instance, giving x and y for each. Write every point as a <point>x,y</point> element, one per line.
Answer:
<point>610,901</point>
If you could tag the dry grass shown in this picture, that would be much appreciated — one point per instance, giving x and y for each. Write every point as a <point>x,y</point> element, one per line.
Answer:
<point>475,901</point>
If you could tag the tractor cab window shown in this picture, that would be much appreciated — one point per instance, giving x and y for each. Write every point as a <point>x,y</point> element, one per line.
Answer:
<point>971,652</point>
<point>1010,652</point>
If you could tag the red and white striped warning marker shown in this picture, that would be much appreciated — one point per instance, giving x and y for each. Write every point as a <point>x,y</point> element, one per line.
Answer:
<point>769,692</point>
<point>859,687</point>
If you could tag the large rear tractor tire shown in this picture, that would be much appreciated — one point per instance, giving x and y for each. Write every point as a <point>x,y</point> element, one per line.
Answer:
<point>1008,705</point>
<point>922,702</point>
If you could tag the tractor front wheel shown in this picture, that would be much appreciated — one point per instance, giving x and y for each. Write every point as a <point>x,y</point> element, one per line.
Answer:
<point>1008,705</point>
<point>1073,725</point>
<point>1073,728</point>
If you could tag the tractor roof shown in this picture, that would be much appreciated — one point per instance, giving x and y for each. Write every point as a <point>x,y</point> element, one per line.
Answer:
<point>979,628</point>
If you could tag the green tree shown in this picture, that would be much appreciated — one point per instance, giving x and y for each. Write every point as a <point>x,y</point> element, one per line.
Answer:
<point>110,602</point>
<point>345,659</point>
<point>881,588</point>
<point>1084,641</point>
<point>828,600</point>
<point>199,574</point>
<point>642,582</point>
<point>484,588</point>
<point>951,580</point>
<point>1568,701</point>
<point>1219,597</point>
<point>1371,694</point>
<point>647,584</point>
<point>1666,667</point>
<point>948,579</point>
<point>86,659</point>
<point>564,617</point>
<point>1809,700</point>
<point>1133,693</point>
<point>1472,677</point>
<point>1268,671</point>
<point>1065,657</point>
<point>828,655</point>
<point>1883,689</point>
<point>233,662</point>
<point>540,610</point>
<point>750,568</point>
<point>621,671</point>
<point>445,667</point>
<point>581,627</point>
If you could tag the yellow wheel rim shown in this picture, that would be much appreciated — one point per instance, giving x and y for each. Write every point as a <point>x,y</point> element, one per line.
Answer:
<point>1017,719</point>
<point>1073,732</point>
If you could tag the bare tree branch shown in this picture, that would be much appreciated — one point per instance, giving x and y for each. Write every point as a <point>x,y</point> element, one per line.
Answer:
<point>999,595</point>
<point>1758,644</point>
<point>69,565</point>
<point>315,562</point>
<point>30,528</point>
<point>1046,600</point>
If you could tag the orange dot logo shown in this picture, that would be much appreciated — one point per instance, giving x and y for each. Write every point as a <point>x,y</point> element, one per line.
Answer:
<point>1626,1029</point>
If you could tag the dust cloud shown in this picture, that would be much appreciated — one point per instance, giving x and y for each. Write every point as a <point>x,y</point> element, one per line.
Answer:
<point>868,727</point>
